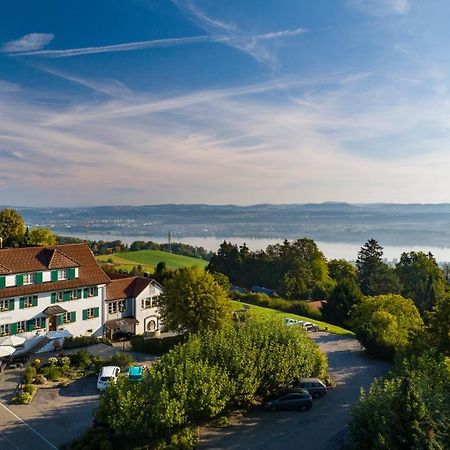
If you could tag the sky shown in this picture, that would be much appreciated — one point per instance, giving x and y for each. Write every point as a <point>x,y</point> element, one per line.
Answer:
<point>224,101</point>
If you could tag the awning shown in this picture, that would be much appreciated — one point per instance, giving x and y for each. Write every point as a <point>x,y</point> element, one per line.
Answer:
<point>53,310</point>
<point>114,324</point>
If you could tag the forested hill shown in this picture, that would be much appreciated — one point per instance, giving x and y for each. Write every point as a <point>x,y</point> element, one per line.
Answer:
<point>402,224</point>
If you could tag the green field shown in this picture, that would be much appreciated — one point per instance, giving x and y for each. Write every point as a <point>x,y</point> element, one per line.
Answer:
<point>149,259</point>
<point>259,311</point>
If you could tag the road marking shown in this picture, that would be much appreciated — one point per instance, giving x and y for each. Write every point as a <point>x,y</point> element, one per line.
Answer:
<point>30,428</point>
<point>11,442</point>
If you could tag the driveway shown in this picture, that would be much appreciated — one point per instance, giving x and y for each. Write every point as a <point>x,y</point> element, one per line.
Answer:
<point>324,426</point>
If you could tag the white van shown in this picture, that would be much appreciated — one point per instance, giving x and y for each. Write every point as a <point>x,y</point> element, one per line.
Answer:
<point>108,374</point>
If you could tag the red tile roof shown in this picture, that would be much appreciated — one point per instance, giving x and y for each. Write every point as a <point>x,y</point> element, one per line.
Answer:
<point>33,259</point>
<point>129,287</point>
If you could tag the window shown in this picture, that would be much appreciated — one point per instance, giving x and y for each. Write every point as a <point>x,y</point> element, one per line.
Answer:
<point>4,305</point>
<point>69,317</point>
<point>91,291</point>
<point>63,274</point>
<point>22,326</point>
<point>90,313</point>
<point>149,302</point>
<point>30,301</point>
<point>28,278</point>
<point>39,322</point>
<point>60,296</point>
<point>118,306</point>
<point>4,329</point>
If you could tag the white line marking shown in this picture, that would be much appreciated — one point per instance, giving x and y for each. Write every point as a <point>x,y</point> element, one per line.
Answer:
<point>11,442</point>
<point>29,427</point>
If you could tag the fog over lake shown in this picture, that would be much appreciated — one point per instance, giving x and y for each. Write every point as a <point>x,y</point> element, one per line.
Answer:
<point>331,250</point>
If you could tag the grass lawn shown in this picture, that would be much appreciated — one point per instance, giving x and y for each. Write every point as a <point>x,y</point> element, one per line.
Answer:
<point>259,311</point>
<point>149,259</point>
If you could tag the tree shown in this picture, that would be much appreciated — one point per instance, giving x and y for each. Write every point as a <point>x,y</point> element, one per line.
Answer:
<point>42,236</point>
<point>383,324</point>
<point>438,329</point>
<point>193,301</point>
<point>374,276</point>
<point>344,296</point>
<point>12,227</point>
<point>340,269</point>
<point>422,279</point>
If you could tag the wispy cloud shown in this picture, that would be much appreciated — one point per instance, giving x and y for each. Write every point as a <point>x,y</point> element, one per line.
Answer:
<point>381,7</point>
<point>245,43</point>
<point>29,42</point>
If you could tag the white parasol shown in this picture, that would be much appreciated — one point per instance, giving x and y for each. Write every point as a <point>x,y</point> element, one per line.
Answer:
<point>13,341</point>
<point>6,350</point>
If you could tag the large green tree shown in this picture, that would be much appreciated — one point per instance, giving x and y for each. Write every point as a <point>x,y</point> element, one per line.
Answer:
<point>374,276</point>
<point>42,236</point>
<point>344,296</point>
<point>383,324</point>
<point>421,278</point>
<point>438,328</point>
<point>341,269</point>
<point>12,227</point>
<point>193,301</point>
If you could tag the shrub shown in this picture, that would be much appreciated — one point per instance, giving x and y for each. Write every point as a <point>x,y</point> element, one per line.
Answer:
<point>40,379</point>
<point>81,359</point>
<point>22,399</point>
<point>37,362</point>
<point>29,388</point>
<point>155,346</point>
<point>79,341</point>
<point>52,373</point>
<point>123,360</point>
<point>53,361</point>
<point>298,307</point>
<point>28,374</point>
<point>98,362</point>
<point>65,362</point>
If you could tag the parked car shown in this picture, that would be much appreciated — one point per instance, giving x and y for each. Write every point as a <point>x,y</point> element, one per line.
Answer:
<point>108,374</point>
<point>136,373</point>
<point>300,400</point>
<point>288,321</point>
<point>310,327</point>
<point>314,386</point>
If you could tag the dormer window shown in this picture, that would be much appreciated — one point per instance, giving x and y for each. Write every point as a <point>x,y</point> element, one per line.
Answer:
<point>63,274</point>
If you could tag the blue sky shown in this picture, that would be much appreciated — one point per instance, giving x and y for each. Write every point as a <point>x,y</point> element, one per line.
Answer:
<point>236,101</point>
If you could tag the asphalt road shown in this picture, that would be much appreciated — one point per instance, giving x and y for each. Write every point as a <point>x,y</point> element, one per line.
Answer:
<point>324,426</point>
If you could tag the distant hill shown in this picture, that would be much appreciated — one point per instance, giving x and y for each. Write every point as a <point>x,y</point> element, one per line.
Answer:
<point>149,259</point>
<point>391,224</point>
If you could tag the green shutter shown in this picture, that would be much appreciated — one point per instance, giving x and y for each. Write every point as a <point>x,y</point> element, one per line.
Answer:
<point>95,291</point>
<point>59,319</point>
<point>96,312</point>
<point>13,328</point>
<point>85,292</point>
<point>71,274</point>
<point>34,301</point>
<point>2,282</point>
<point>38,277</point>
<point>73,316</point>
<point>11,305</point>
<point>22,303</point>
<point>85,314</point>
<point>30,325</point>
<point>43,322</point>
<point>79,293</point>
<point>54,275</point>
<point>53,300</point>
<point>19,280</point>
<point>66,296</point>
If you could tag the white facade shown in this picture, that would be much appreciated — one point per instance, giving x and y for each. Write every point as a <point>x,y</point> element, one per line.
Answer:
<point>146,309</point>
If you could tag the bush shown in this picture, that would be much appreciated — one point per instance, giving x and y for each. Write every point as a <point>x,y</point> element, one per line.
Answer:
<point>123,360</point>
<point>29,389</point>
<point>53,361</point>
<point>299,307</point>
<point>155,346</point>
<point>22,399</point>
<point>94,439</point>
<point>98,362</point>
<point>40,379</point>
<point>52,373</point>
<point>28,374</point>
<point>81,359</point>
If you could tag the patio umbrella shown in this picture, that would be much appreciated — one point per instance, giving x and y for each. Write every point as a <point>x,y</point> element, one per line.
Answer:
<point>6,350</point>
<point>13,341</point>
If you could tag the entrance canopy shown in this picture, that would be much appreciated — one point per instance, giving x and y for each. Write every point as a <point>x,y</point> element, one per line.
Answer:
<point>53,310</point>
<point>115,324</point>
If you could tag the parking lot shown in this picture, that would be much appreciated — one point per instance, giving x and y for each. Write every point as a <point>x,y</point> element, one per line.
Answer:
<point>57,415</point>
